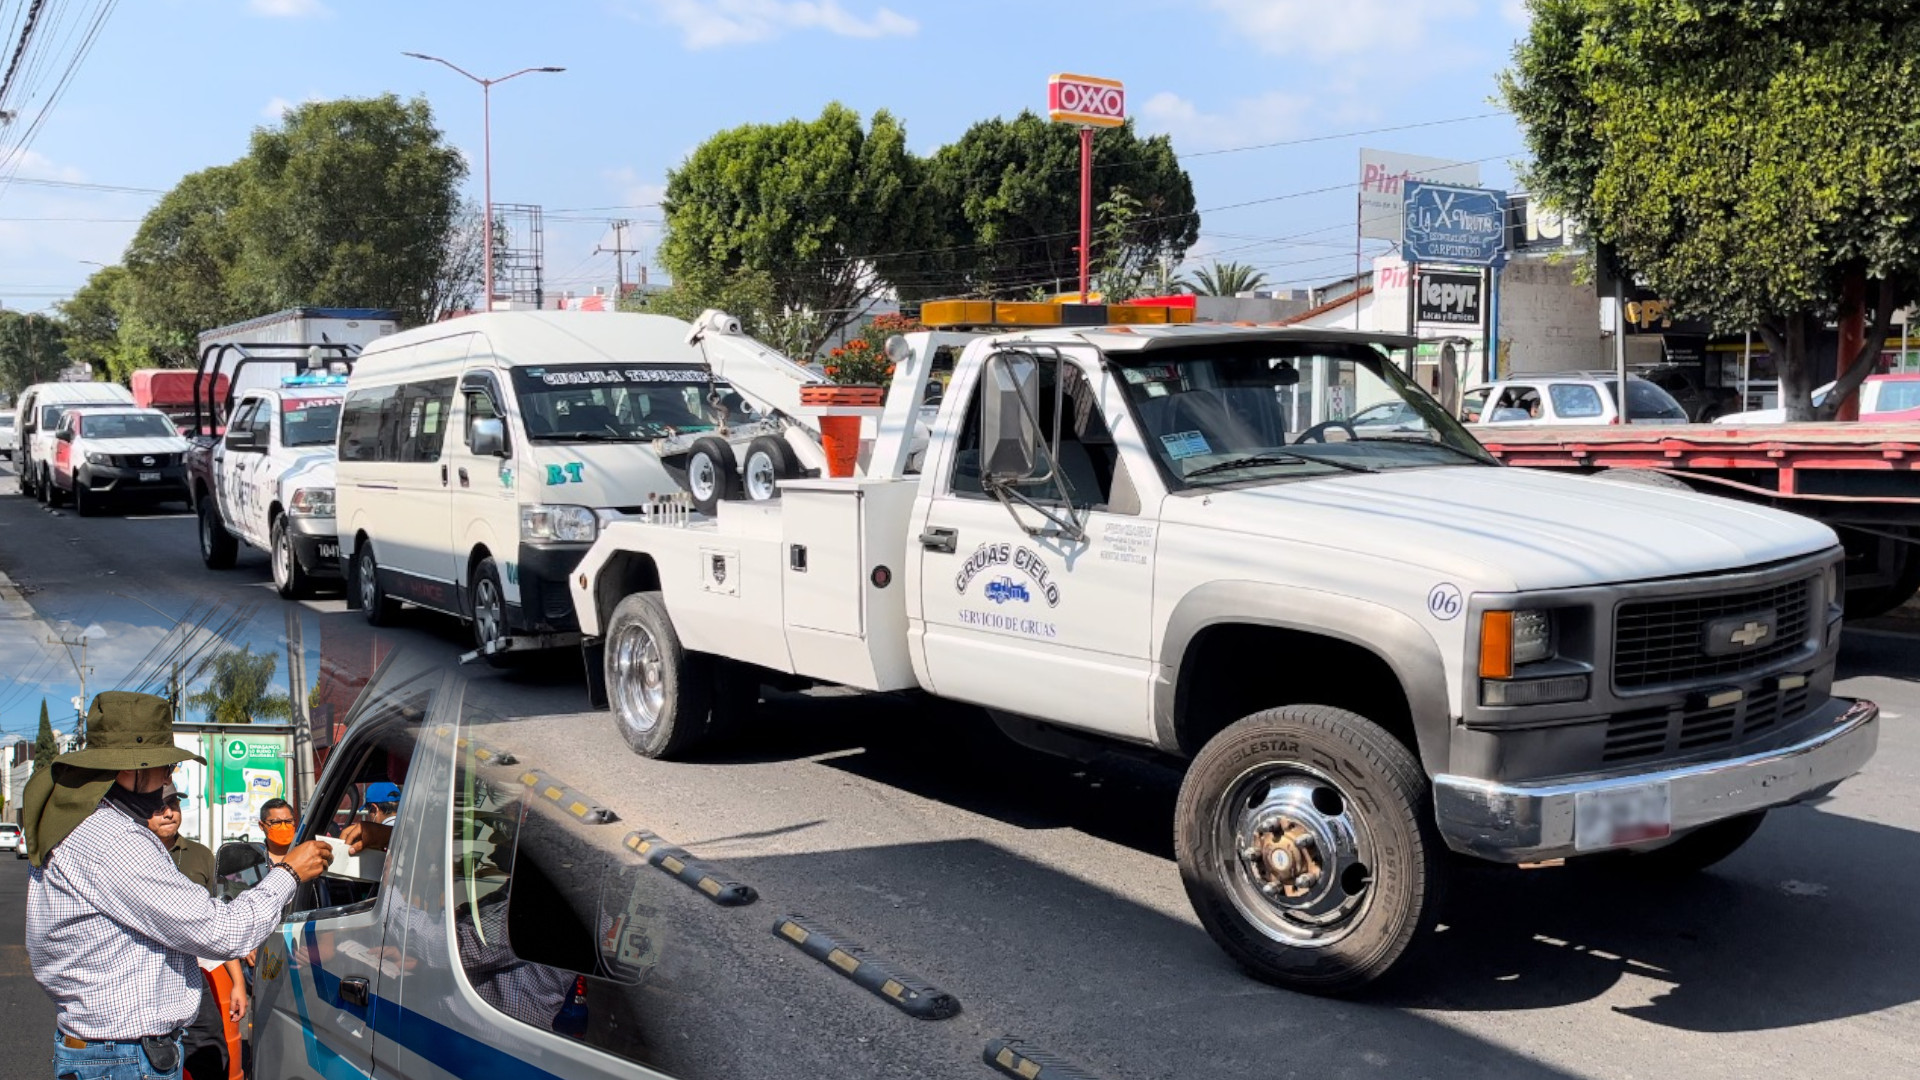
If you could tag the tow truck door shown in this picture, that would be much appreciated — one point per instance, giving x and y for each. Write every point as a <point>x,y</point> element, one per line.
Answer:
<point>1054,626</point>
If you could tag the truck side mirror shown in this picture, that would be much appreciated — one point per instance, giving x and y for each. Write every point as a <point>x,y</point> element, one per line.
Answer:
<point>1010,434</point>
<point>239,866</point>
<point>246,439</point>
<point>488,438</point>
<point>64,435</point>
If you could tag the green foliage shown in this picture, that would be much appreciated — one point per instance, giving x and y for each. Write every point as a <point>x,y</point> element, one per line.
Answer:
<point>1227,279</point>
<point>1007,196</point>
<point>45,746</point>
<point>801,211</point>
<point>32,350</point>
<point>181,259</point>
<point>1747,160</point>
<point>239,690</point>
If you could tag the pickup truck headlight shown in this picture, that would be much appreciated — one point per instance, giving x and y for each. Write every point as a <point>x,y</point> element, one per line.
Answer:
<point>1836,586</point>
<point>99,459</point>
<point>311,502</point>
<point>567,523</point>
<point>1510,639</point>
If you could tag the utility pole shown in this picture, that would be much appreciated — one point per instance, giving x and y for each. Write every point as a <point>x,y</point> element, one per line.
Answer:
<point>302,723</point>
<point>81,669</point>
<point>619,250</point>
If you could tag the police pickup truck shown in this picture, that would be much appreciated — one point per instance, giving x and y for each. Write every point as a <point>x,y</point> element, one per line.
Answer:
<point>267,481</point>
<point>1366,648</point>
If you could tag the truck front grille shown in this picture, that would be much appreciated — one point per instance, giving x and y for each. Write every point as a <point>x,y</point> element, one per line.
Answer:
<point>1679,730</point>
<point>146,461</point>
<point>1664,641</point>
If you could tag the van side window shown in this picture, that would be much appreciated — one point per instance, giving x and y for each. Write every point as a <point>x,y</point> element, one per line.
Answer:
<point>420,427</point>
<point>361,420</point>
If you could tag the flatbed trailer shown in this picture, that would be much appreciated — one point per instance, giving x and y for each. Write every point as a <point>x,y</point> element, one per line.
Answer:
<point>1861,479</point>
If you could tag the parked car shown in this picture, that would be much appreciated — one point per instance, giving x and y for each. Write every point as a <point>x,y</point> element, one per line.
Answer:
<point>9,436</point>
<point>104,455</point>
<point>1568,398</point>
<point>12,840</point>
<point>1883,399</point>
<point>1688,386</point>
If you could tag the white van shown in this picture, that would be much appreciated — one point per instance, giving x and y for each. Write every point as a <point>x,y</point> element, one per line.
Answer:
<point>479,457</point>
<point>37,414</point>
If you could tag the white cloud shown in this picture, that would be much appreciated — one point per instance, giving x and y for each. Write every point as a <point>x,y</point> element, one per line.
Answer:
<point>706,24</point>
<point>1269,117</point>
<point>277,108</point>
<point>287,9</point>
<point>37,166</point>
<point>1352,27</point>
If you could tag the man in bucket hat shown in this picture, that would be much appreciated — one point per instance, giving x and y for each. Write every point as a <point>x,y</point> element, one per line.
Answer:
<point>113,928</point>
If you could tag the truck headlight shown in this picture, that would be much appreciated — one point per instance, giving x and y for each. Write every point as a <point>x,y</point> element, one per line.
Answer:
<point>1509,639</point>
<point>567,523</point>
<point>99,459</point>
<point>311,502</point>
<point>1836,586</point>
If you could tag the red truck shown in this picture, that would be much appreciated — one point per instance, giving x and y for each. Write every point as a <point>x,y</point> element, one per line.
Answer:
<point>1863,479</point>
<point>171,391</point>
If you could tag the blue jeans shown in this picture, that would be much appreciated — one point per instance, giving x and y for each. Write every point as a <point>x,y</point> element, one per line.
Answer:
<point>107,1061</point>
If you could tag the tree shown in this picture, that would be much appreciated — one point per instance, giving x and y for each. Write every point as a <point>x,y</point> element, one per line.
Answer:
<point>91,320</point>
<point>1008,196</point>
<point>240,690</point>
<point>31,350</point>
<point>812,208</point>
<point>1752,163</point>
<point>457,286</point>
<point>181,262</point>
<point>45,746</point>
<point>1227,279</point>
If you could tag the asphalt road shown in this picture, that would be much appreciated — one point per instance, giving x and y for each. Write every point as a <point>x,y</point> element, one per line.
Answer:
<point>1044,894</point>
<point>26,1051</point>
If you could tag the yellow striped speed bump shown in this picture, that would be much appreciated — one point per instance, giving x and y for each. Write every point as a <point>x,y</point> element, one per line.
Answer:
<point>1015,1058</point>
<point>904,992</point>
<point>697,875</point>
<point>486,755</point>
<point>577,803</point>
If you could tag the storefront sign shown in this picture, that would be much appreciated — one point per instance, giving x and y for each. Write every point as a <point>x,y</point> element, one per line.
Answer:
<point>1449,298</point>
<point>1384,176</point>
<point>1446,223</point>
<point>1086,101</point>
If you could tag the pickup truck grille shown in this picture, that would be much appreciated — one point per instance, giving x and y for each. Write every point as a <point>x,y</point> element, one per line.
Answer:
<point>1678,730</point>
<point>146,461</point>
<point>1664,641</point>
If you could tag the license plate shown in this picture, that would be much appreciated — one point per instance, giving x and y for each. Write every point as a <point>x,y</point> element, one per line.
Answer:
<point>1617,816</point>
<point>330,551</point>
<point>149,477</point>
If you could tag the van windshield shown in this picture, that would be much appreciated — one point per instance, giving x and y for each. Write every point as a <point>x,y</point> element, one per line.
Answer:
<point>608,403</point>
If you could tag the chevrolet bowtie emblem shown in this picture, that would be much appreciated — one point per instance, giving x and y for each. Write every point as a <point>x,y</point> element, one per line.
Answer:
<point>1750,635</point>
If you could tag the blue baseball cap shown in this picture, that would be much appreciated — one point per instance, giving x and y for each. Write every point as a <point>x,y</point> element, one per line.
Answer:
<point>383,793</point>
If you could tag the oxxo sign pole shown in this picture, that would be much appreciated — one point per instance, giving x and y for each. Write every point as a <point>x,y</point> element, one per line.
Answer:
<point>1090,103</point>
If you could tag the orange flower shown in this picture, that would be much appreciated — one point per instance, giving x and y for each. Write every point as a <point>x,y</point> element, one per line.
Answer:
<point>831,370</point>
<point>858,343</point>
<point>837,352</point>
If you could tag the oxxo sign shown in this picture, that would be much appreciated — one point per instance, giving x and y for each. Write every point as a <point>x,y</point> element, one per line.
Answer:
<point>1085,100</point>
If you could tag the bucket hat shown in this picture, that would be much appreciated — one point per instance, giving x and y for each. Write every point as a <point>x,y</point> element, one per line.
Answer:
<point>126,730</point>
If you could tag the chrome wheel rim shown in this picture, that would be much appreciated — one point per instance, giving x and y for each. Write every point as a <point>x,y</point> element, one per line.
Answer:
<point>369,585</point>
<point>486,611</point>
<point>1295,854</point>
<point>702,477</point>
<point>640,683</point>
<point>761,482</point>
<point>282,556</point>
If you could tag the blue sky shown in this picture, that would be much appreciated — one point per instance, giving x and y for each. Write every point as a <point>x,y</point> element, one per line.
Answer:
<point>173,86</point>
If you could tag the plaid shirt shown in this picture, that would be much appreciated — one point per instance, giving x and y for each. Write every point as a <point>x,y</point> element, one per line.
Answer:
<point>113,929</point>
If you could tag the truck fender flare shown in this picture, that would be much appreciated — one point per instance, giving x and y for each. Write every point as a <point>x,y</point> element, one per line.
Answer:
<point>1393,636</point>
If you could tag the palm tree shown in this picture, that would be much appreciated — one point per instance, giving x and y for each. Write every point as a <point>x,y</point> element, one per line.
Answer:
<point>1227,279</point>
<point>240,690</point>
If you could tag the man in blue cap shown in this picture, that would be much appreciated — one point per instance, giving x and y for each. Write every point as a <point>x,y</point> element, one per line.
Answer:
<point>384,800</point>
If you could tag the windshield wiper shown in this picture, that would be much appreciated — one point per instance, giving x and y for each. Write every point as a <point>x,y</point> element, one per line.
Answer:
<point>1424,443</point>
<point>585,436</point>
<point>1288,457</point>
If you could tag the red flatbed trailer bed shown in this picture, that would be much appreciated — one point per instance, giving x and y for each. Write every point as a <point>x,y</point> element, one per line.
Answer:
<point>1862,479</point>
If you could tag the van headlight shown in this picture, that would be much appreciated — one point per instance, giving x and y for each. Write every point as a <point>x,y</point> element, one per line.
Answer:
<point>573,524</point>
<point>311,502</point>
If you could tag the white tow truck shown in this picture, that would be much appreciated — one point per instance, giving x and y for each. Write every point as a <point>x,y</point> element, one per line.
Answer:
<point>1366,647</point>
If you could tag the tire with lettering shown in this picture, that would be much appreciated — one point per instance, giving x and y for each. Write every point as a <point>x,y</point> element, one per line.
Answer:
<point>1306,843</point>
<point>713,475</point>
<point>661,694</point>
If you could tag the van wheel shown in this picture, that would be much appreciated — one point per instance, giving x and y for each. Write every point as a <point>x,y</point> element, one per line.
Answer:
<point>1306,843</point>
<point>218,548</point>
<point>489,611</point>
<point>379,608</point>
<point>712,474</point>
<point>661,694</point>
<point>769,460</point>
<point>289,577</point>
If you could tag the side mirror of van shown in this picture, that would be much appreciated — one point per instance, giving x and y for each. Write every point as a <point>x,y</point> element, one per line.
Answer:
<point>488,438</point>
<point>1010,434</point>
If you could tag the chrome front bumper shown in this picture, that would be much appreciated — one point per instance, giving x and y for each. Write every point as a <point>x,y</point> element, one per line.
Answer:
<point>1516,823</point>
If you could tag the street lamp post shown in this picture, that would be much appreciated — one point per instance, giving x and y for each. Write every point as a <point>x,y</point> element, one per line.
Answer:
<point>486,142</point>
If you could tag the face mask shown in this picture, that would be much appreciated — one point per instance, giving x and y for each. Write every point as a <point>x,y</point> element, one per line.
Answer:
<point>138,804</point>
<point>280,835</point>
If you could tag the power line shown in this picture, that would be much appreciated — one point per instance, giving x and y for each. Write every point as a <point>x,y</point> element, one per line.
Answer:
<point>20,49</point>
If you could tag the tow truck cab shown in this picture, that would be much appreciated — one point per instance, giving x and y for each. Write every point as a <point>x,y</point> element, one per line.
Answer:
<point>1367,647</point>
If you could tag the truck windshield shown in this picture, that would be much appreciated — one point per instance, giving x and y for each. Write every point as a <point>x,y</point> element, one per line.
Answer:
<point>607,403</point>
<point>1232,413</point>
<point>309,421</point>
<point>127,426</point>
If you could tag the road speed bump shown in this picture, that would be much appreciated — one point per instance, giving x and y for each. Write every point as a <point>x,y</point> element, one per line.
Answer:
<point>695,874</point>
<point>910,995</point>
<point>577,803</point>
<point>1016,1058</point>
